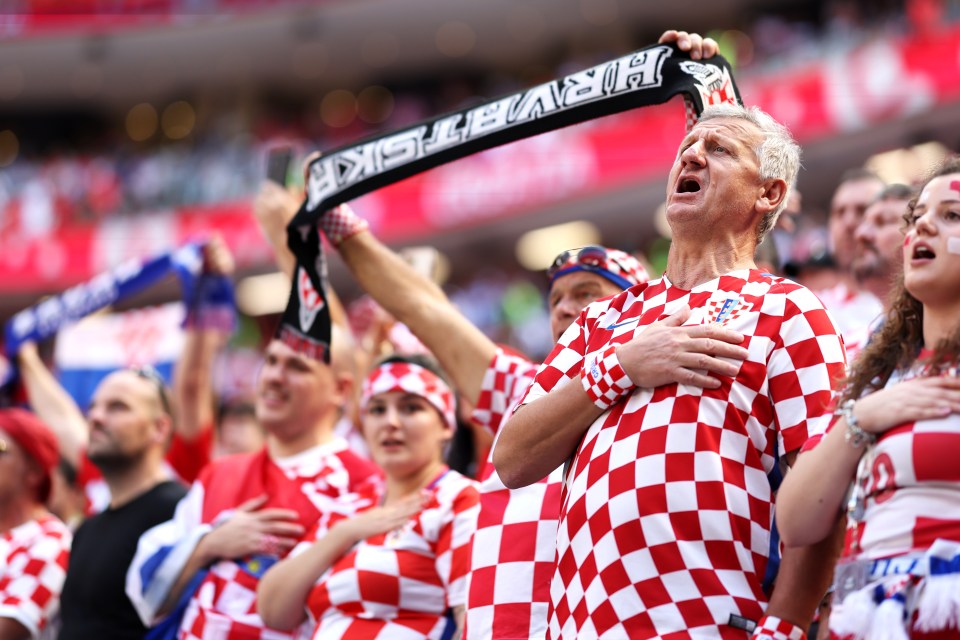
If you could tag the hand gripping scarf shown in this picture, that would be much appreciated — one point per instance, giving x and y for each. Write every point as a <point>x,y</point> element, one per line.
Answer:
<point>646,77</point>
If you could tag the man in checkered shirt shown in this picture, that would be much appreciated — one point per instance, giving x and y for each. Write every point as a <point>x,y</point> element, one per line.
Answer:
<point>665,527</point>
<point>34,544</point>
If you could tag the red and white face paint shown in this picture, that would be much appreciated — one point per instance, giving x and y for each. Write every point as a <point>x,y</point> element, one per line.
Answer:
<point>414,379</point>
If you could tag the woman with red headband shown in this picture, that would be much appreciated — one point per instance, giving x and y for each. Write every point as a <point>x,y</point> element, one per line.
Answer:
<point>396,569</point>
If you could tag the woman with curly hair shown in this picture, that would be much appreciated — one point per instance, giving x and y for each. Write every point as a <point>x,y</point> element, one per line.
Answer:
<point>889,462</point>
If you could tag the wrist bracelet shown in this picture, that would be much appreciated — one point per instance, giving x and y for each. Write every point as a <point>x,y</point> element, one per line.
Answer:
<point>855,435</point>
<point>341,223</point>
<point>778,629</point>
<point>604,379</point>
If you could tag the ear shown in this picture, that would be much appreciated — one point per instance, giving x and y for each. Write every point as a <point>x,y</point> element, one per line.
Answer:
<point>344,383</point>
<point>163,429</point>
<point>774,192</point>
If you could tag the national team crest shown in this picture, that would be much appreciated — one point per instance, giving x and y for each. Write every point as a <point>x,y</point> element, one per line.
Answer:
<point>310,301</point>
<point>713,83</point>
<point>725,308</point>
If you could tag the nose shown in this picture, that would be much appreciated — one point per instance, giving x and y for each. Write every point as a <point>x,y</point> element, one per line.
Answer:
<point>863,232</point>
<point>693,154</point>
<point>925,223</point>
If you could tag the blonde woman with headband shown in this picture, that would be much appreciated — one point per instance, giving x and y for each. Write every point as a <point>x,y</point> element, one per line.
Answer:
<point>889,461</point>
<point>398,568</point>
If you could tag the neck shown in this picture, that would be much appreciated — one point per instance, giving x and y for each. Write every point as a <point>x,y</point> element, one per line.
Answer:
<point>322,433</point>
<point>399,488</point>
<point>690,265</point>
<point>130,483</point>
<point>17,511</point>
<point>939,323</point>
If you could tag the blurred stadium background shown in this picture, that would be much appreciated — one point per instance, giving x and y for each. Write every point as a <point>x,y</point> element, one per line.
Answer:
<point>130,126</point>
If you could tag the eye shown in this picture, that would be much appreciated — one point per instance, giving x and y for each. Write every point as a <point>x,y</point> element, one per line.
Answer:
<point>376,409</point>
<point>951,215</point>
<point>720,148</point>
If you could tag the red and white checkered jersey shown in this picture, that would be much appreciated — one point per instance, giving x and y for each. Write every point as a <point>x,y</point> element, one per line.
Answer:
<point>855,313</point>
<point>337,482</point>
<point>913,488</point>
<point>400,584</point>
<point>515,541</point>
<point>33,565</point>
<point>665,522</point>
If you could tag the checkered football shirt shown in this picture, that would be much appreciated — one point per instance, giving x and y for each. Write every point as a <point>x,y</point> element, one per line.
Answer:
<point>515,541</point>
<point>666,515</point>
<point>399,585</point>
<point>33,565</point>
<point>338,483</point>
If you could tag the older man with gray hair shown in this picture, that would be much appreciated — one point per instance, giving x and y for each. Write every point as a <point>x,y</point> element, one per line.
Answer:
<point>667,521</point>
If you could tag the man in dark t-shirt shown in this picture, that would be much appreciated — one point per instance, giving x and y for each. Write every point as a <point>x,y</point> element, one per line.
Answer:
<point>130,423</point>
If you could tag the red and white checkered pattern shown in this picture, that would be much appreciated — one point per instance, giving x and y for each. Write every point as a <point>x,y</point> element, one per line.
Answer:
<point>515,541</point>
<point>400,584</point>
<point>341,223</point>
<point>33,565</point>
<point>337,482</point>
<point>911,492</point>
<point>773,628</point>
<point>604,379</point>
<point>855,313</point>
<point>411,378</point>
<point>665,524</point>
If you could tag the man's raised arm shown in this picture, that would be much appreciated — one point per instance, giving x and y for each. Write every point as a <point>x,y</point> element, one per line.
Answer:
<point>410,297</point>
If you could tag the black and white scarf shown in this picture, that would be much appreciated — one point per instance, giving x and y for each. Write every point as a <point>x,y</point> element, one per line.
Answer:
<point>646,77</point>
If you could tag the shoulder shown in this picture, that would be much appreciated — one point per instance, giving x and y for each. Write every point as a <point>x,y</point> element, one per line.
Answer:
<point>231,467</point>
<point>169,491</point>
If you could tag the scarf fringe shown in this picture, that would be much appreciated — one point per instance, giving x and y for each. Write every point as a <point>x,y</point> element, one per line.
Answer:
<point>938,606</point>
<point>888,621</point>
<point>854,615</point>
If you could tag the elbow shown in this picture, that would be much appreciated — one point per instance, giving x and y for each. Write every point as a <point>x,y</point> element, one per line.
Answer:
<point>796,531</point>
<point>276,614</point>
<point>508,468</point>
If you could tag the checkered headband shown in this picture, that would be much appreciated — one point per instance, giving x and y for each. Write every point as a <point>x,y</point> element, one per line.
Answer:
<point>411,378</point>
<point>619,267</point>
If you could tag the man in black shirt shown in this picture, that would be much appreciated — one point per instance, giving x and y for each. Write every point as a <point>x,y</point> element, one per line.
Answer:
<point>130,424</point>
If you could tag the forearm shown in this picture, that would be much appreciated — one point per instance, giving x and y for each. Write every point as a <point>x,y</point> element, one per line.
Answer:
<point>463,350</point>
<point>283,591</point>
<point>193,381</point>
<point>201,558</point>
<point>804,577</point>
<point>811,498</point>
<point>51,402</point>
<point>541,436</point>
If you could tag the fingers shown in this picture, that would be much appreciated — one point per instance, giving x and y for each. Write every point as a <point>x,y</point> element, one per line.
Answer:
<point>719,346</point>
<point>291,530</point>
<point>306,165</point>
<point>678,318</point>
<point>703,362</point>
<point>252,504</point>
<point>693,43</point>
<point>276,514</point>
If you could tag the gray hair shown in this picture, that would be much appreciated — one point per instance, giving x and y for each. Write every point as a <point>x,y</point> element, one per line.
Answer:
<point>778,153</point>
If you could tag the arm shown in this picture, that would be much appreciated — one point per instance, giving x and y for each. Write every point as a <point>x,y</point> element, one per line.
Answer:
<point>283,590</point>
<point>534,442</point>
<point>274,207</point>
<point>11,629</point>
<point>811,497</point>
<point>53,404</point>
<point>193,374</point>
<point>463,351</point>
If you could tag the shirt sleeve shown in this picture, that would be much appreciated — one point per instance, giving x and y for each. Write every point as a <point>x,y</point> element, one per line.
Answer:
<point>189,457</point>
<point>162,553</point>
<point>804,366</point>
<point>453,545</point>
<point>32,580</point>
<point>563,363</point>
<point>504,383</point>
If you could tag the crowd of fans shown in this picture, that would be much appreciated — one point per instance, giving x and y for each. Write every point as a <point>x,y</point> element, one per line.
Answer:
<point>454,486</point>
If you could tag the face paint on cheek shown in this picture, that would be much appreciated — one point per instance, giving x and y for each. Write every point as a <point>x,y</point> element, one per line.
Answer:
<point>953,246</point>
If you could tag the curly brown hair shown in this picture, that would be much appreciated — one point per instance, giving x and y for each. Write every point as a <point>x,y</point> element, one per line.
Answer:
<point>898,342</point>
